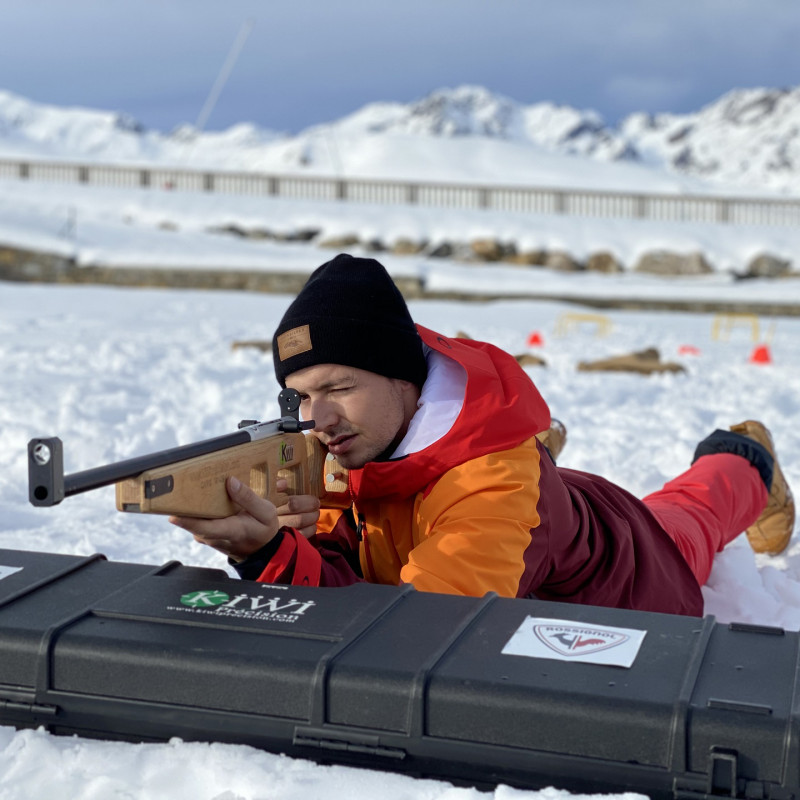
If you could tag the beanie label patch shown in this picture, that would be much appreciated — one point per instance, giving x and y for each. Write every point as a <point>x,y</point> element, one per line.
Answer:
<point>294,342</point>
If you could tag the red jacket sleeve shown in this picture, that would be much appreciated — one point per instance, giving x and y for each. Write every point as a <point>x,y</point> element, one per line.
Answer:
<point>327,559</point>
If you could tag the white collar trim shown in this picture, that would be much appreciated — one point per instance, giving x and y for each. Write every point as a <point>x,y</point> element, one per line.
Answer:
<point>439,405</point>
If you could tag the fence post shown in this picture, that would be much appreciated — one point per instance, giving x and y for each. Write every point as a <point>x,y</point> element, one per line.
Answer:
<point>144,178</point>
<point>208,182</point>
<point>412,194</point>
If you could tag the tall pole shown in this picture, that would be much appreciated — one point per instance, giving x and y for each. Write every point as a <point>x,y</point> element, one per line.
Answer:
<point>224,74</point>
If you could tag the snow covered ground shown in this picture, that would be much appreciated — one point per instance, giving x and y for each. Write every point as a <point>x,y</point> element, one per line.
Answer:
<point>117,372</point>
<point>153,228</point>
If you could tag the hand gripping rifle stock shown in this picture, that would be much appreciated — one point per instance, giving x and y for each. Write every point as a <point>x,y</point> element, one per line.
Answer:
<point>190,480</point>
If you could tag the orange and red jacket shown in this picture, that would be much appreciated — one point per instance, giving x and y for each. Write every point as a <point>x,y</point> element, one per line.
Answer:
<point>485,509</point>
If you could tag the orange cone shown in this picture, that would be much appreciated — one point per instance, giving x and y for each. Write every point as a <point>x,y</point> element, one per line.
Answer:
<point>535,339</point>
<point>761,355</point>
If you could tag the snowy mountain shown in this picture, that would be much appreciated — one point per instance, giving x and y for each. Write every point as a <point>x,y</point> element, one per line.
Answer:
<point>748,140</point>
<point>474,111</point>
<point>749,137</point>
<point>31,130</point>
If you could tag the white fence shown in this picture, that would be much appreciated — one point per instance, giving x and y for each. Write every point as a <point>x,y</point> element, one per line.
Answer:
<point>661,207</point>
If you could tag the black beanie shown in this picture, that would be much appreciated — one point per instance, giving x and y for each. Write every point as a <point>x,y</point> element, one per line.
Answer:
<point>350,312</point>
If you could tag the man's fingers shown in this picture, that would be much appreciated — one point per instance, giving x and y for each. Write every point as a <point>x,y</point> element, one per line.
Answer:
<point>301,512</point>
<point>243,533</point>
<point>256,506</point>
<point>305,523</point>
<point>299,504</point>
<point>200,527</point>
<point>215,533</point>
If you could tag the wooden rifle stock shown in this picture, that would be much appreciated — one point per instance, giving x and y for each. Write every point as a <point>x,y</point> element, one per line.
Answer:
<point>196,487</point>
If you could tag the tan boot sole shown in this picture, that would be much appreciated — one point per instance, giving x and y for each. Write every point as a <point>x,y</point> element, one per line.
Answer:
<point>772,531</point>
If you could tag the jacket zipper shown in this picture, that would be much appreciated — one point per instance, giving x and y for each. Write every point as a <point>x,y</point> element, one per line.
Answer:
<point>360,531</point>
<point>360,528</point>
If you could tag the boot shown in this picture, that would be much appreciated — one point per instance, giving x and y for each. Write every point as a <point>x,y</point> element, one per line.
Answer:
<point>771,532</point>
<point>554,438</point>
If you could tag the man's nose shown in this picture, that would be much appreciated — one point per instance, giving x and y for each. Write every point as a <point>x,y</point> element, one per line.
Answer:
<point>324,415</point>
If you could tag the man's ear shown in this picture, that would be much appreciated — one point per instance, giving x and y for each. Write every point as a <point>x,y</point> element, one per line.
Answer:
<point>406,387</point>
<point>410,393</point>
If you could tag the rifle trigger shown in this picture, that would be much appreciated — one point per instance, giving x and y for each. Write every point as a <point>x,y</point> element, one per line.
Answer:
<point>159,486</point>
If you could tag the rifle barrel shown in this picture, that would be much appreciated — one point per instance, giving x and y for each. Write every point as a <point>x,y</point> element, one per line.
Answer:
<point>98,477</point>
<point>48,485</point>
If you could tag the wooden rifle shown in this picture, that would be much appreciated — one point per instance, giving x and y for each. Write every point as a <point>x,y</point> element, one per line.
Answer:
<point>190,480</point>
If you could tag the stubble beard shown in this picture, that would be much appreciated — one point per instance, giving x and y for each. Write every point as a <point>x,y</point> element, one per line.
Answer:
<point>375,452</point>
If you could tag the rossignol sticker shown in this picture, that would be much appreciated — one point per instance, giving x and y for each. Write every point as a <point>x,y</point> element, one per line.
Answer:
<point>565,640</point>
<point>6,571</point>
<point>243,606</point>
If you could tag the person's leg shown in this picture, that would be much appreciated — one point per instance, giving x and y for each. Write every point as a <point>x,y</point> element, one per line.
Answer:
<point>708,506</point>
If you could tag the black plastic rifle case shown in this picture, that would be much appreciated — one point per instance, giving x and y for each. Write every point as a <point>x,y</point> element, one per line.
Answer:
<point>390,678</point>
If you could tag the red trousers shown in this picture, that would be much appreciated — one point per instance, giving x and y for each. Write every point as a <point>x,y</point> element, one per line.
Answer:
<point>709,505</point>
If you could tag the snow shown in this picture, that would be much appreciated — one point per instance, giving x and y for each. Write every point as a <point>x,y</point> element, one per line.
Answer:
<point>118,372</point>
<point>139,227</point>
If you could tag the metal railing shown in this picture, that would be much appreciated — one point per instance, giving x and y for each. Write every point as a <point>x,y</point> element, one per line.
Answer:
<point>575,202</point>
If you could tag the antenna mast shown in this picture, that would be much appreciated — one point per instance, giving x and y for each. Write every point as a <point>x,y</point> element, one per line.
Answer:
<point>224,74</point>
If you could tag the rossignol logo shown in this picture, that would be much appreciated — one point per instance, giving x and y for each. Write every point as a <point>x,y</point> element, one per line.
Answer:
<point>243,606</point>
<point>572,640</point>
<point>566,640</point>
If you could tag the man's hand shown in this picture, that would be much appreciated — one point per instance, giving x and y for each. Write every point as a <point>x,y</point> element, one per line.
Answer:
<point>243,533</point>
<point>300,511</point>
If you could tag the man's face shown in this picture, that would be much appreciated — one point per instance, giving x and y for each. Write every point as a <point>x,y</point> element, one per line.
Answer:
<point>358,415</point>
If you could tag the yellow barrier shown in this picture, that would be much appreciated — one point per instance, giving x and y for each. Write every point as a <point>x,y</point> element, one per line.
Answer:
<point>723,324</point>
<point>571,320</point>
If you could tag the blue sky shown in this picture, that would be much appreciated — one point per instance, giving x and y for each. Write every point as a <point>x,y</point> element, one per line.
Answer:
<point>312,61</point>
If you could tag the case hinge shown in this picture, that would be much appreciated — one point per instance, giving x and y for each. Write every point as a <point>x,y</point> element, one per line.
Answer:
<point>27,709</point>
<point>350,742</point>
